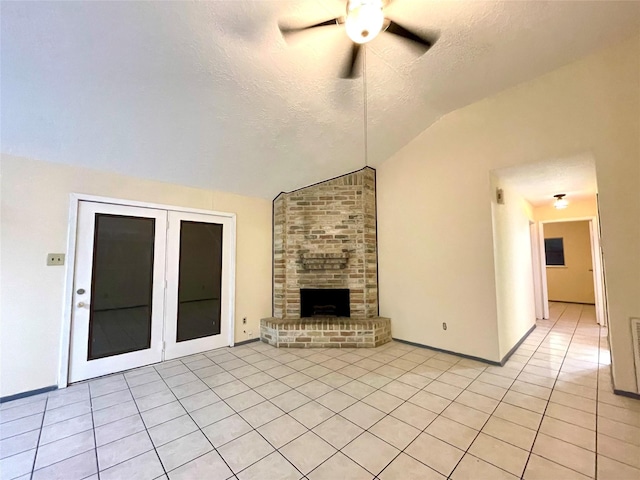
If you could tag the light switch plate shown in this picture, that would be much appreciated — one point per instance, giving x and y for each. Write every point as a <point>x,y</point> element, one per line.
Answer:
<point>55,259</point>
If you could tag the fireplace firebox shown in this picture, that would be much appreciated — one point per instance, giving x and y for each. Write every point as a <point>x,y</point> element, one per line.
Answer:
<point>324,302</point>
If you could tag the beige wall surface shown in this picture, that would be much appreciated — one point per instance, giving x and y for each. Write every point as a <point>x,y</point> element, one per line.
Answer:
<point>572,282</point>
<point>436,259</point>
<point>516,313</point>
<point>35,214</point>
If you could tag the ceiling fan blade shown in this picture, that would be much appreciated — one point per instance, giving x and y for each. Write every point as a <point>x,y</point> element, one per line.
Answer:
<point>350,67</point>
<point>425,42</point>
<point>286,29</point>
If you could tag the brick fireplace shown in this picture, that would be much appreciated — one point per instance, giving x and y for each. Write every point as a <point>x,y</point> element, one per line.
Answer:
<point>324,238</point>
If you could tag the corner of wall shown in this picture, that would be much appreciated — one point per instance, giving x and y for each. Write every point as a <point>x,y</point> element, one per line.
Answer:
<point>513,267</point>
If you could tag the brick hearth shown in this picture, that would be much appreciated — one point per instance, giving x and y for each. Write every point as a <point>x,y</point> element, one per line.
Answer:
<point>326,332</point>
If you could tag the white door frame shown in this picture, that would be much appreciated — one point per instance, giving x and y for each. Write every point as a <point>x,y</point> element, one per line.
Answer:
<point>544,292</point>
<point>537,275</point>
<point>596,260</point>
<point>74,202</point>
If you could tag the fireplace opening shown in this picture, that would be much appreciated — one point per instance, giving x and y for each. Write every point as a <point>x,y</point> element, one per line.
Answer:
<point>324,302</point>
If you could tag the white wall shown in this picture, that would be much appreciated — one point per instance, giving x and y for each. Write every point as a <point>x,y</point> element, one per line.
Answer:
<point>513,266</point>
<point>434,215</point>
<point>35,209</point>
<point>435,246</point>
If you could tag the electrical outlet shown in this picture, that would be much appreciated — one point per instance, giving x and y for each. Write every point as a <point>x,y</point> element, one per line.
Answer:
<point>444,325</point>
<point>244,320</point>
<point>55,259</point>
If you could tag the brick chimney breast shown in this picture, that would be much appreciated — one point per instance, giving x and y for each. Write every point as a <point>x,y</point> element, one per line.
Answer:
<point>324,236</point>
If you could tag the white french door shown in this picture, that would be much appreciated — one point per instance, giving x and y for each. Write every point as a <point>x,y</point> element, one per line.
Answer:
<point>149,284</point>
<point>197,295</point>
<point>118,293</point>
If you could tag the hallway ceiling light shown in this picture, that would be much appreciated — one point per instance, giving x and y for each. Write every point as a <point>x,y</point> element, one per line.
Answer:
<point>560,202</point>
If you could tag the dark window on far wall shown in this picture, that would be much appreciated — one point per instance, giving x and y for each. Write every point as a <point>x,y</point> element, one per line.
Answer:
<point>554,251</point>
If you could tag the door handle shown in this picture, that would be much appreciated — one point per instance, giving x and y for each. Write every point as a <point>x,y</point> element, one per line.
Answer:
<point>82,304</point>
<point>591,269</point>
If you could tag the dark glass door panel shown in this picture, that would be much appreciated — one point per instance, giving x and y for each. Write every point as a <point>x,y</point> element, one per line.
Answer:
<point>121,286</point>
<point>200,280</point>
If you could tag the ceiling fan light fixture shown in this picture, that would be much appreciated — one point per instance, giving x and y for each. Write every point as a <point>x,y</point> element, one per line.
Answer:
<point>365,20</point>
<point>560,202</point>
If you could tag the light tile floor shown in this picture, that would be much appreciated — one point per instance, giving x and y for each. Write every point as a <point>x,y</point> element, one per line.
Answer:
<point>394,412</point>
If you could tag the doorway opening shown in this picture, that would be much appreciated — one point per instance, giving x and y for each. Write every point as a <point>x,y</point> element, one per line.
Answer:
<point>571,263</point>
<point>536,187</point>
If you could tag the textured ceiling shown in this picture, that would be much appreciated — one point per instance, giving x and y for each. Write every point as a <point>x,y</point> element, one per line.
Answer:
<point>209,94</point>
<point>539,182</point>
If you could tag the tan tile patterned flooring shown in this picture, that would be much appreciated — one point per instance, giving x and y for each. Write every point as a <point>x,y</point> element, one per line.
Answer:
<point>394,412</point>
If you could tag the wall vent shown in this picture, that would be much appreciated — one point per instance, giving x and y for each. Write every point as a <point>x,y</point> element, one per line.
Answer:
<point>635,333</point>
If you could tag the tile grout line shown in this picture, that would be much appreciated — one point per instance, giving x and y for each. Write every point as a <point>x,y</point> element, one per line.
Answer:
<point>254,429</point>
<point>491,414</point>
<point>201,431</point>
<point>155,449</point>
<point>43,413</point>
<point>290,388</point>
<point>22,433</point>
<point>524,469</point>
<point>140,414</point>
<point>333,389</point>
<point>351,379</point>
<point>576,331</point>
<point>338,413</point>
<point>431,380</point>
<point>67,458</point>
<point>134,397</point>
<point>68,436</point>
<point>624,462</point>
<point>35,455</point>
<point>367,430</point>
<point>310,430</point>
<point>130,435</point>
<point>552,389</point>
<point>285,413</point>
<point>466,452</point>
<point>93,427</point>
<point>438,415</point>
<point>597,396</point>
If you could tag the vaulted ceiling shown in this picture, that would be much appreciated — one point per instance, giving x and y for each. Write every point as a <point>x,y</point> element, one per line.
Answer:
<point>209,94</point>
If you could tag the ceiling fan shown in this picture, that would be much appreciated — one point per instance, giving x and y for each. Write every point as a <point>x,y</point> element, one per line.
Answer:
<point>364,21</point>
